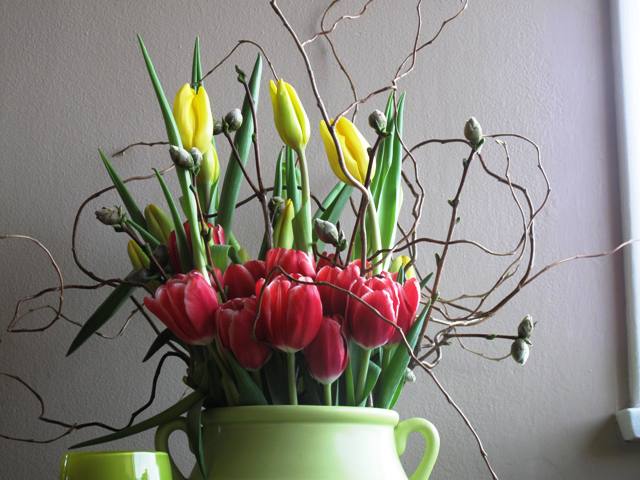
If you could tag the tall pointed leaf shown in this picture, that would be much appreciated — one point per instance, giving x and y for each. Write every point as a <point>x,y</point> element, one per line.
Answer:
<point>181,237</point>
<point>129,203</point>
<point>233,175</point>
<point>103,313</point>
<point>163,417</point>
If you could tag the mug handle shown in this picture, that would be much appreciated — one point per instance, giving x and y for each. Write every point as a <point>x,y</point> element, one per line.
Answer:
<point>162,442</point>
<point>431,447</point>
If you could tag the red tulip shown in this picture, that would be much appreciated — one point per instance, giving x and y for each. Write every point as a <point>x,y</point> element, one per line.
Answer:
<point>290,313</point>
<point>409,296</point>
<point>217,236</point>
<point>240,279</point>
<point>291,261</point>
<point>327,355</point>
<point>235,320</point>
<point>186,304</point>
<point>334,301</point>
<point>365,327</point>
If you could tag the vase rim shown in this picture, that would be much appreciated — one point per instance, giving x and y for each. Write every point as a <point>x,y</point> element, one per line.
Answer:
<point>301,413</point>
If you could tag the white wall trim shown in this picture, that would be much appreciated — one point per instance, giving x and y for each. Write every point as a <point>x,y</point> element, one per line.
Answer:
<point>625,16</point>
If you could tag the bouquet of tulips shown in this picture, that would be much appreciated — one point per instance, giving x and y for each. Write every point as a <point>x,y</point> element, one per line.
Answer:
<point>316,316</point>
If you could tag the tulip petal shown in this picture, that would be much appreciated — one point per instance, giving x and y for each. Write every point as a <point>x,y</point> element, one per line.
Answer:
<point>183,114</point>
<point>200,304</point>
<point>303,120</point>
<point>203,121</point>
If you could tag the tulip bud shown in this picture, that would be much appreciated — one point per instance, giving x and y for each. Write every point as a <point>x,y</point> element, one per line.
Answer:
<point>235,320</point>
<point>525,329</point>
<point>283,232</point>
<point>180,157</point>
<point>192,112</point>
<point>158,222</point>
<point>326,232</point>
<point>111,216</point>
<point>409,299</point>
<point>334,300</point>
<point>520,351</point>
<point>354,147</point>
<point>186,305</point>
<point>291,261</point>
<point>288,115</point>
<point>217,237</point>
<point>139,259</point>
<point>473,132</point>
<point>233,120</point>
<point>401,262</point>
<point>327,354</point>
<point>290,313</point>
<point>209,168</point>
<point>240,279</point>
<point>378,121</point>
<point>365,327</point>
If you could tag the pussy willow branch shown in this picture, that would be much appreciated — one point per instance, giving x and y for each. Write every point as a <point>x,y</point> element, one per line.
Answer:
<point>238,45</point>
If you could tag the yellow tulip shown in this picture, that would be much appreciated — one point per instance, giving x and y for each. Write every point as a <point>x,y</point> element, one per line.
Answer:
<point>402,261</point>
<point>192,112</point>
<point>139,259</point>
<point>354,150</point>
<point>209,168</point>
<point>289,115</point>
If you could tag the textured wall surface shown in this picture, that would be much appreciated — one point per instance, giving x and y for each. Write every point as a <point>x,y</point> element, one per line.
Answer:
<point>72,80</point>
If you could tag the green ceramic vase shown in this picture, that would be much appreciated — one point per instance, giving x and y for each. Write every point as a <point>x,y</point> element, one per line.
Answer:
<point>306,442</point>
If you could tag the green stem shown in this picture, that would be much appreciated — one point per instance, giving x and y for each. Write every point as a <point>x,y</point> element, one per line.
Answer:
<point>291,368</point>
<point>348,380</point>
<point>305,205</point>
<point>362,375</point>
<point>374,230</point>
<point>225,380</point>
<point>191,211</point>
<point>327,395</point>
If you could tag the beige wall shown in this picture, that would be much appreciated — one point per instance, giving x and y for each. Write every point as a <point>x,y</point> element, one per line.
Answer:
<point>71,80</point>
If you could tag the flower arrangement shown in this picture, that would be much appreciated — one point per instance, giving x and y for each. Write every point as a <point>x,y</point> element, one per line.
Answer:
<point>318,315</point>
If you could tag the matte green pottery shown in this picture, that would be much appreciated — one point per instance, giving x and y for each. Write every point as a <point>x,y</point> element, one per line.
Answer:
<point>306,442</point>
<point>115,466</point>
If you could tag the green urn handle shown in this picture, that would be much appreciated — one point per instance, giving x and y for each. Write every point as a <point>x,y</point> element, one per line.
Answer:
<point>431,439</point>
<point>162,441</point>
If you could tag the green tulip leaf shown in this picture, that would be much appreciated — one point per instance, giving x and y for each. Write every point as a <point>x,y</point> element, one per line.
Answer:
<point>275,374</point>
<point>160,341</point>
<point>233,174</point>
<point>220,256</point>
<point>390,201</point>
<point>293,192</point>
<point>163,417</point>
<point>373,373</point>
<point>194,434</point>
<point>394,373</point>
<point>181,236</point>
<point>129,203</point>
<point>250,393</point>
<point>103,313</point>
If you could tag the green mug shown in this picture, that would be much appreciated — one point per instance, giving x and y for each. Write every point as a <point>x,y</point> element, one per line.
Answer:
<point>115,466</point>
